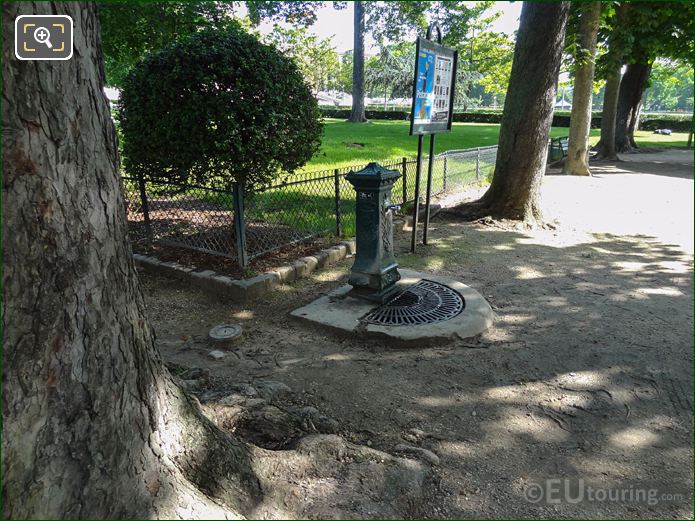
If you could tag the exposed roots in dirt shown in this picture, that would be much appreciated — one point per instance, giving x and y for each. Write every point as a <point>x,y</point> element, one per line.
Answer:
<point>300,467</point>
<point>490,214</point>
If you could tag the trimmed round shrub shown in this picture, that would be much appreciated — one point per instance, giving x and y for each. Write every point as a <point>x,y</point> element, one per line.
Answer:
<point>215,108</point>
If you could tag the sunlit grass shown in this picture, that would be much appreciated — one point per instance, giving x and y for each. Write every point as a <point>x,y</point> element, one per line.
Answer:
<point>346,144</point>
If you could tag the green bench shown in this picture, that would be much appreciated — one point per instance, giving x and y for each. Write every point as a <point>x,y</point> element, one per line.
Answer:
<point>558,148</point>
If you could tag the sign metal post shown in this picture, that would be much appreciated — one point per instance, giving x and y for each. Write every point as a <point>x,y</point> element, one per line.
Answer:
<point>432,110</point>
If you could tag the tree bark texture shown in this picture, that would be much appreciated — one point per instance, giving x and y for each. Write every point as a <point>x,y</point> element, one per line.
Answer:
<point>577,162</point>
<point>357,114</point>
<point>605,148</point>
<point>632,88</point>
<point>528,112</point>
<point>94,426</point>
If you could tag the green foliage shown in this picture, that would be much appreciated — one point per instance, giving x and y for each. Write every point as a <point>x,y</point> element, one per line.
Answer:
<point>390,73</point>
<point>295,13</point>
<point>574,54</point>
<point>316,57</point>
<point>344,80</point>
<point>396,20</point>
<point>132,29</point>
<point>215,108</point>
<point>671,87</point>
<point>641,32</point>
<point>660,30</point>
<point>492,55</point>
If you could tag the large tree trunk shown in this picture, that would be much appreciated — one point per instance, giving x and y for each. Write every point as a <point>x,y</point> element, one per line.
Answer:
<point>605,148</point>
<point>357,115</point>
<point>527,116</point>
<point>94,426</point>
<point>629,102</point>
<point>577,162</point>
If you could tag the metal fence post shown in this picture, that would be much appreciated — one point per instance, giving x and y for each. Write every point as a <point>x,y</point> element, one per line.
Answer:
<point>404,168</point>
<point>338,216</point>
<point>446,158</point>
<point>477,164</point>
<point>239,224</point>
<point>145,207</point>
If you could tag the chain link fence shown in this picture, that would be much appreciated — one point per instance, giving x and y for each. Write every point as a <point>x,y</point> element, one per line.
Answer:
<point>463,168</point>
<point>245,225</point>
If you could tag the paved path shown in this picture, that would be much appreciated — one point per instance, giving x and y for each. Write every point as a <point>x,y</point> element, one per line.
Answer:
<point>647,194</point>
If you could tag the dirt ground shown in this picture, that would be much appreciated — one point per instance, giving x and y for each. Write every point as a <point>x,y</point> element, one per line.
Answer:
<point>586,377</point>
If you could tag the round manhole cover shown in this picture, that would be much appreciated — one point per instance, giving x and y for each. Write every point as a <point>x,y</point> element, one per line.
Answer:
<point>225,333</point>
<point>425,302</point>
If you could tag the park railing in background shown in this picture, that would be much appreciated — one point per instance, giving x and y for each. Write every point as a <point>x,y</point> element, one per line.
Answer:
<point>244,225</point>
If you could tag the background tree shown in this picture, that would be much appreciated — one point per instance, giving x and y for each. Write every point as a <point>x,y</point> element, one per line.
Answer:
<point>316,57</point>
<point>390,73</point>
<point>396,21</point>
<point>130,30</point>
<point>577,161</point>
<point>609,65</point>
<point>670,87</point>
<point>642,32</point>
<point>344,83</point>
<point>528,112</point>
<point>658,29</point>
<point>217,106</point>
<point>358,80</point>
<point>491,57</point>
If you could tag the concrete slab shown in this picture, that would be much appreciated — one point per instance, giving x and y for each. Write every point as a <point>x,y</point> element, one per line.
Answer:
<point>341,312</point>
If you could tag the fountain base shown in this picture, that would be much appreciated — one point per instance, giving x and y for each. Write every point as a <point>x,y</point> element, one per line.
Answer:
<point>424,308</point>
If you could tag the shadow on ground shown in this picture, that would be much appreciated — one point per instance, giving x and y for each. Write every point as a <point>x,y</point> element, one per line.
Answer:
<point>585,376</point>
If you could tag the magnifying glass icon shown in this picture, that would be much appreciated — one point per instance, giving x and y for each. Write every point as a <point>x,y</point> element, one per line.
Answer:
<point>42,35</point>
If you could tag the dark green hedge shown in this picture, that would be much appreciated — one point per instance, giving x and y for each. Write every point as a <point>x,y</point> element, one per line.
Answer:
<point>674,122</point>
<point>217,107</point>
<point>562,119</point>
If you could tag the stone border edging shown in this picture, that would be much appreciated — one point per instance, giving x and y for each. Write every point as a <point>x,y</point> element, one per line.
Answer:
<point>245,290</point>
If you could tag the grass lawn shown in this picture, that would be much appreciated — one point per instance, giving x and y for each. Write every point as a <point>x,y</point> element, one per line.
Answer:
<point>309,208</point>
<point>346,144</point>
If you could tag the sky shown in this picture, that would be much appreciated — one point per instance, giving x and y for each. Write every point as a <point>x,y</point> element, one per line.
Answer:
<point>338,23</point>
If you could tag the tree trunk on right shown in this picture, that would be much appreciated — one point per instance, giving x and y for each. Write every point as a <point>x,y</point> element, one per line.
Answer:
<point>629,102</point>
<point>577,162</point>
<point>528,113</point>
<point>605,148</point>
<point>358,115</point>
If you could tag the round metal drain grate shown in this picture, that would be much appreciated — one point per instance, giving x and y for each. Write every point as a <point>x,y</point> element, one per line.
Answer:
<point>426,302</point>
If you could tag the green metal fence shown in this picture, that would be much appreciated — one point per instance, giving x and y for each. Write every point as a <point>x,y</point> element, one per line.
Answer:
<point>244,225</point>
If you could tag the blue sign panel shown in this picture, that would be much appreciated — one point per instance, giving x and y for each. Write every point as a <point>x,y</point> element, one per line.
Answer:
<point>433,89</point>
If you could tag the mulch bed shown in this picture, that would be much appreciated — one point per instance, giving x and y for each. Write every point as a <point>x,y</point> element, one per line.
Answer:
<point>210,226</point>
<point>227,266</point>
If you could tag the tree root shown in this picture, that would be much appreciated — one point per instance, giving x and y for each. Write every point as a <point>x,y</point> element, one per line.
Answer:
<point>469,211</point>
<point>482,211</point>
<point>317,476</point>
<point>328,477</point>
